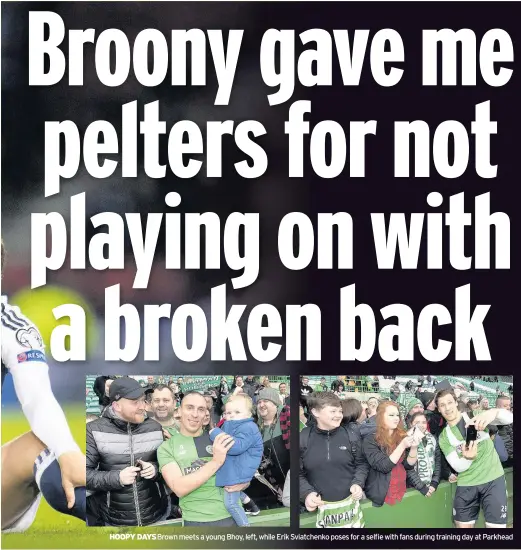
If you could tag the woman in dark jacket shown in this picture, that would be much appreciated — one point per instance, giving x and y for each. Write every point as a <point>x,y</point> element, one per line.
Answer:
<point>389,452</point>
<point>425,476</point>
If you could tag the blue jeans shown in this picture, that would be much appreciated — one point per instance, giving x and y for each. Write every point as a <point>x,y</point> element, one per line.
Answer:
<point>232,501</point>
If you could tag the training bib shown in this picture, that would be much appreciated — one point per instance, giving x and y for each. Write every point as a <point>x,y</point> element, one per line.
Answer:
<point>345,514</point>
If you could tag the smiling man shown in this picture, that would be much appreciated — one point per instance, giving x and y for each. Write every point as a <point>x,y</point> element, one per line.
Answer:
<point>481,478</point>
<point>121,460</point>
<point>163,407</point>
<point>188,462</point>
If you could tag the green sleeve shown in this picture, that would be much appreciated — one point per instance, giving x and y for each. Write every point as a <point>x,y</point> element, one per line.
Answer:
<point>165,453</point>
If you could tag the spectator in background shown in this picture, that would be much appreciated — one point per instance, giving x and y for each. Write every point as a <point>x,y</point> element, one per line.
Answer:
<point>435,422</point>
<point>283,393</point>
<point>471,385</point>
<point>238,385</point>
<point>339,381</point>
<point>180,382</point>
<point>208,425</point>
<point>302,417</point>
<point>322,386</point>
<point>101,389</point>
<point>352,412</point>
<point>163,406</point>
<point>176,393</point>
<point>250,387</point>
<point>340,388</point>
<point>265,383</point>
<point>274,424</point>
<point>499,444</point>
<point>409,405</point>
<point>425,475</point>
<point>390,453</point>
<point>212,408</point>
<point>506,431</point>
<point>472,404</point>
<point>122,460</point>
<point>305,391</point>
<point>223,387</point>
<point>151,383</point>
<point>372,405</point>
<point>148,402</point>
<point>484,405</point>
<point>363,417</point>
<point>395,391</point>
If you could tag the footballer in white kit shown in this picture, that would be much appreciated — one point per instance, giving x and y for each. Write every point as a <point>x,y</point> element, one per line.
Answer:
<point>45,461</point>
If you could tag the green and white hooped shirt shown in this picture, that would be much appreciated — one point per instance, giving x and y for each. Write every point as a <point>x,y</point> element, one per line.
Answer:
<point>484,468</point>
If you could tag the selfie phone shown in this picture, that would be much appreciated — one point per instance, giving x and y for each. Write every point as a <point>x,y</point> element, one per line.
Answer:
<point>140,466</point>
<point>472,434</point>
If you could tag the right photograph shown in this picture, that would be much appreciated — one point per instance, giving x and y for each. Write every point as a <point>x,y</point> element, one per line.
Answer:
<point>415,451</point>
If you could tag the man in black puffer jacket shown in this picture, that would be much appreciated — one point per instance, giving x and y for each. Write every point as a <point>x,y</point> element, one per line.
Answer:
<point>122,467</point>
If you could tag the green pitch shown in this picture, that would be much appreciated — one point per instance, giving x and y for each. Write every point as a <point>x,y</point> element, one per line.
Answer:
<point>53,530</point>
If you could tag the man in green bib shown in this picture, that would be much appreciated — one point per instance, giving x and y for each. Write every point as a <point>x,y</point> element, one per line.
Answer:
<point>188,462</point>
<point>481,478</point>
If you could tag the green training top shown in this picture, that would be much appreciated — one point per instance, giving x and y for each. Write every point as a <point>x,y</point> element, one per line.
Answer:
<point>484,468</point>
<point>206,503</point>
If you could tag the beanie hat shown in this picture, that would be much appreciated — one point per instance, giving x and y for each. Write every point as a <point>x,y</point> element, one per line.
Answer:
<point>270,394</point>
<point>412,402</point>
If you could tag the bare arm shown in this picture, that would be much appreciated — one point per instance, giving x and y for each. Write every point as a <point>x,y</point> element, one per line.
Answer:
<point>398,452</point>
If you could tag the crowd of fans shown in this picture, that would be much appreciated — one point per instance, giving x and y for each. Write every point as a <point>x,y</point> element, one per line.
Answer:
<point>374,446</point>
<point>165,448</point>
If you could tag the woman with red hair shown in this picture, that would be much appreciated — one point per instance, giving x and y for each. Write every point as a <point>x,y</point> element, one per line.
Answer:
<point>389,452</point>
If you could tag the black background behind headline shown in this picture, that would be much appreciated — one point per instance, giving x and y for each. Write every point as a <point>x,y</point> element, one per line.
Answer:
<point>25,110</point>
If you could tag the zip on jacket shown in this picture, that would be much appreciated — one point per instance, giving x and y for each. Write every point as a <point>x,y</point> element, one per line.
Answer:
<point>328,457</point>
<point>134,483</point>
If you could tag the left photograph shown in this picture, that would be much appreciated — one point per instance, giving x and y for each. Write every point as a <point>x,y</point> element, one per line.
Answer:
<point>197,451</point>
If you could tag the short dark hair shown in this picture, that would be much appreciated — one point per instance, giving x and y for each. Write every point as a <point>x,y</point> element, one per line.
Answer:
<point>443,393</point>
<point>161,387</point>
<point>319,400</point>
<point>415,415</point>
<point>192,392</point>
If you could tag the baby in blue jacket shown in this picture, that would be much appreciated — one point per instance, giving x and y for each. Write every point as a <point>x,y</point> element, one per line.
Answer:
<point>244,456</point>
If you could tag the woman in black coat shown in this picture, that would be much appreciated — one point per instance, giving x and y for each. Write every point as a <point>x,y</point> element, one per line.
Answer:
<point>390,452</point>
